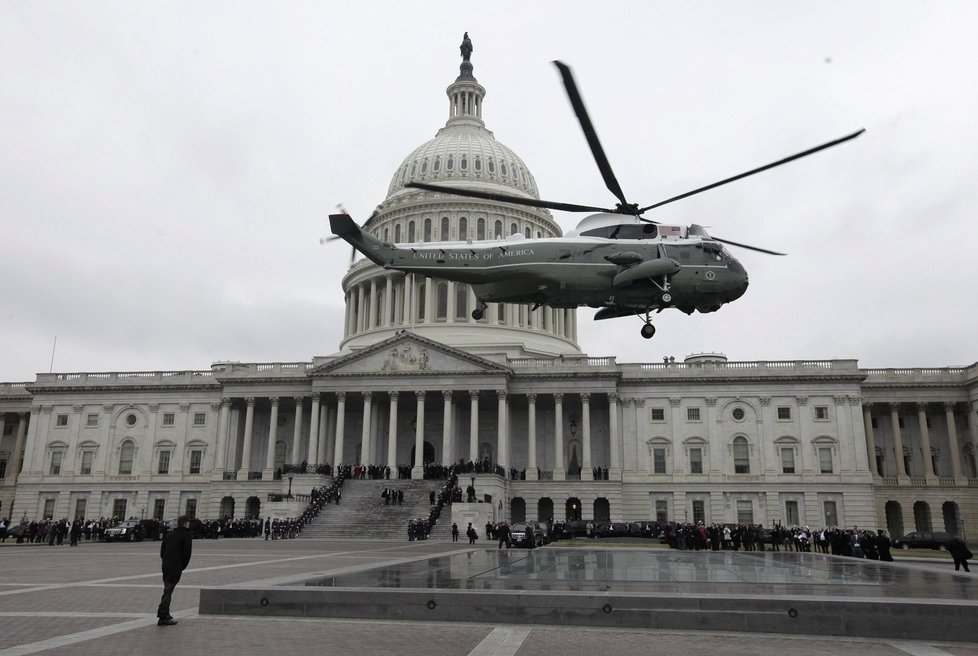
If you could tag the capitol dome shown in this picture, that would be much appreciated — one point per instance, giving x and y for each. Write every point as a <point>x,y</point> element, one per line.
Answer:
<point>380,303</point>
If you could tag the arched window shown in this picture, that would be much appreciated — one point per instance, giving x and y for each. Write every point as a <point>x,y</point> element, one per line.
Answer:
<point>397,233</point>
<point>414,167</point>
<point>502,168</point>
<point>445,234</point>
<point>741,455</point>
<point>126,456</point>
<point>410,236</point>
<point>441,309</point>
<point>387,234</point>
<point>424,165</point>
<point>461,300</point>
<point>427,230</point>
<point>437,165</point>
<point>478,163</point>
<point>498,229</point>
<point>491,165</point>
<point>463,229</point>
<point>513,229</point>
<point>526,233</point>
<point>451,163</point>
<point>463,162</point>
<point>481,229</point>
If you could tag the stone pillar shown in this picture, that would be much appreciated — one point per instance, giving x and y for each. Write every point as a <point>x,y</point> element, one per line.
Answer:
<point>388,301</point>
<point>870,439</point>
<point>952,439</point>
<point>372,319</point>
<point>897,440</point>
<point>18,455</point>
<point>392,435</point>
<point>474,425</point>
<point>365,433</point>
<point>246,447</point>
<point>269,472</point>
<point>223,428</point>
<point>502,438</point>
<point>446,431</point>
<point>614,438</point>
<point>929,472</point>
<point>297,431</point>
<point>531,467</point>
<point>361,320</point>
<point>312,449</point>
<point>587,473</point>
<point>340,421</point>
<point>559,474</point>
<point>322,452</point>
<point>417,472</point>
<point>641,432</point>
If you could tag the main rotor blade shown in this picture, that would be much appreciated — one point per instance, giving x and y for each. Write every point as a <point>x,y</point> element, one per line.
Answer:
<point>506,198</point>
<point>757,170</point>
<point>592,137</point>
<point>752,248</point>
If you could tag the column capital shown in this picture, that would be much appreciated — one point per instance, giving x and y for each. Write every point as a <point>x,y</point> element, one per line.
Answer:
<point>558,397</point>
<point>502,394</point>
<point>214,406</point>
<point>274,400</point>
<point>531,398</point>
<point>250,401</point>
<point>585,397</point>
<point>948,406</point>
<point>765,401</point>
<point>854,400</point>
<point>419,394</point>
<point>154,408</point>
<point>226,402</point>
<point>711,401</point>
<point>675,402</point>
<point>626,402</point>
<point>474,394</point>
<point>299,400</point>
<point>393,395</point>
<point>367,396</point>
<point>341,397</point>
<point>840,400</point>
<point>77,409</point>
<point>184,407</point>
<point>639,403</point>
<point>920,406</point>
<point>801,400</point>
<point>893,407</point>
<point>316,397</point>
<point>613,398</point>
<point>447,394</point>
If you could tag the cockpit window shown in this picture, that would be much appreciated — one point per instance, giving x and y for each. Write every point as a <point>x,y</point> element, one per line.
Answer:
<point>623,231</point>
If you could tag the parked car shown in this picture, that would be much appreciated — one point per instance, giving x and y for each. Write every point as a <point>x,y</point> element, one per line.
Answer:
<point>522,534</point>
<point>130,530</point>
<point>923,540</point>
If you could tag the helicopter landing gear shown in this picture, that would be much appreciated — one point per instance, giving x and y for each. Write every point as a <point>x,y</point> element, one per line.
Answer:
<point>480,309</point>
<point>648,330</point>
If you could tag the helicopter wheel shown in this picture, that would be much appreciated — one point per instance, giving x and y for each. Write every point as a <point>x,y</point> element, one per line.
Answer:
<point>648,330</point>
<point>478,313</point>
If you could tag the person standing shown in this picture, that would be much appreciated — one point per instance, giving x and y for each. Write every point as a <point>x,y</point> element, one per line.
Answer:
<point>454,532</point>
<point>959,552</point>
<point>175,554</point>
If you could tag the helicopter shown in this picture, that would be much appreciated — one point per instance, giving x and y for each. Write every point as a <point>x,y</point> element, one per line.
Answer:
<point>615,260</point>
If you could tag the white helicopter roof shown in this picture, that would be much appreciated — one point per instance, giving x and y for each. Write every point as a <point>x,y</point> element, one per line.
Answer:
<point>605,220</point>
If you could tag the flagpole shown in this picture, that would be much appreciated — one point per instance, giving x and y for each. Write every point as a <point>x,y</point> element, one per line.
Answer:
<point>51,368</point>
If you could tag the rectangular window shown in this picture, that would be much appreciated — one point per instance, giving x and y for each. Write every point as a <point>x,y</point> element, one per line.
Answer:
<point>821,413</point>
<point>49,508</point>
<point>91,421</point>
<point>880,460</point>
<point>87,458</point>
<point>831,514</point>
<point>56,458</point>
<point>159,506</point>
<point>699,511</point>
<point>661,510</point>
<point>825,460</point>
<point>168,418</point>
<point>696,461</point>
<point>62,421</point>
<point>935,462</point>
<point>164,466</point>
<point>787,460</point>
<point>200,418</point>
<point>784,413</point>
<point>81,507</point>
<point>692,414</point>
<point>119,508</point>
<point>745,512</point>
<point>658,414</point>
<point>195,457</point>
<point>659,460</point>
<point>791,513</point>
<point>191,509</point>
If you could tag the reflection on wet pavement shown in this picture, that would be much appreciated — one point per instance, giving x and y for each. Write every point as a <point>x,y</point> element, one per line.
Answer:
<point>718,572</point>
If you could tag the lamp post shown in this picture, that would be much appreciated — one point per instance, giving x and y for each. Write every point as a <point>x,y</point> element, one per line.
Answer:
<point>573,426</point>
<point>289,495</point>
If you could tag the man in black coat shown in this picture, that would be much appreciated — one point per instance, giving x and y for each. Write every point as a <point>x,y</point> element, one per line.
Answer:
<point>959,552</point>
<point>175,554</point>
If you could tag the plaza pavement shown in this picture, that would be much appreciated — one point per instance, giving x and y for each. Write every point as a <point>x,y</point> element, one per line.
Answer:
<point>101,599</point>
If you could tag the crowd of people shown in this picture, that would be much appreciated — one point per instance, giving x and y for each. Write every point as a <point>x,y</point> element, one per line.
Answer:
<point>420,528</point>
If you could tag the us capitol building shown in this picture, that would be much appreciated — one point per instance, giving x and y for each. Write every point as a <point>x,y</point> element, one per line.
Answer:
<point>417,379</point>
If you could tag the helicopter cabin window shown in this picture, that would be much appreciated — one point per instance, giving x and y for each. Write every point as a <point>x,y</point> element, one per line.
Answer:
<point>463,229</point>
<point>451,163</point>
<point>437,165</point>
<point>498,229</point>
<point>441,312</point>
<point>427,230</point>
<point>623,231</point>
<point>481,229</point>
<point>684,256</point>
<point>424,165</point>
<point>490,164</point>
<point>463,162</point>
<point>444,236</point>
<point>410,236</point>
<point>478,164</point>
<point>461,300</point>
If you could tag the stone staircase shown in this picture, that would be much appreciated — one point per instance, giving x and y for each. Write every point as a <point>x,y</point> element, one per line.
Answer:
<point>362,515</point>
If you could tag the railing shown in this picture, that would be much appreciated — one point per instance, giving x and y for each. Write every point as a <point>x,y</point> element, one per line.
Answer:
<point>947,482</point>
<point>890,481</point>
<point>532,363</point>
<point>918,481</point>
<point>546,475</point>
<point>761,367</point>
<point>254,475</point>
<point>128,378</point>
<point>230,476</point>
<point>973,482</point>
<point>956,374</point>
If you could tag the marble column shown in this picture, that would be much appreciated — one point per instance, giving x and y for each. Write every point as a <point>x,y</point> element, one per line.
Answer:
<point>952,439</point>
<point>388,300</point>
<point>897,440</point>
<point>417,472</point>
<point>392,435</point>
<point>502,437</point>
<point>18,455</point>
<point>870,439</point>
<point>312,449</point>
<point>614,438</point>
<point>269,472</point>
<point>587,473</point>
<point>474,425</point>
<point>297,431</point>
<point>322,451</point>
<point>446,430</point>
<point>340,426</point>
<point>372,319</point>
<point>531,468</point>
<point>929,472</point>
<point>559,474</point>
<point>223,428</point>
<point>246,447</point>
<point>365,433</point>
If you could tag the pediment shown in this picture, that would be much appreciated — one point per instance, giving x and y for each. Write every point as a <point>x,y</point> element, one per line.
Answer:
<point>408,354</point>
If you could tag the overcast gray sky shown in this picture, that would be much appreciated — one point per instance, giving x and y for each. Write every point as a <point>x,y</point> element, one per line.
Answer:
<point>166,167</point>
